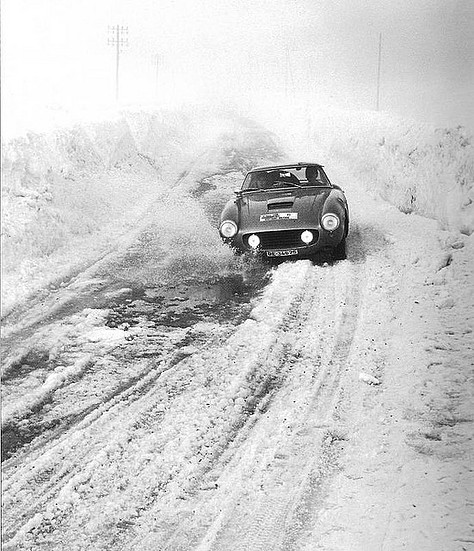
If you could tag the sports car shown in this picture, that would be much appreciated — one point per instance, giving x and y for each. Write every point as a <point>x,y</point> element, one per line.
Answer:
<point>290,210</point>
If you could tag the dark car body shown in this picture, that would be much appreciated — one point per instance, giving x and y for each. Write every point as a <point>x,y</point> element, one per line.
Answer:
<point>287,210</point>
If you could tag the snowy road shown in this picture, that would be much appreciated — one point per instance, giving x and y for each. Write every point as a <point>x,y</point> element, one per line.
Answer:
<point>300,406</point>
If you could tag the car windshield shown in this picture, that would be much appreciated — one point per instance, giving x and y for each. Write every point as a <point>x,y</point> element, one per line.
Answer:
<point>274,178</point>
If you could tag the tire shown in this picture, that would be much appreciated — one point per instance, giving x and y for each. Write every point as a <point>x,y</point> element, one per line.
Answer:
<point>339,252</point>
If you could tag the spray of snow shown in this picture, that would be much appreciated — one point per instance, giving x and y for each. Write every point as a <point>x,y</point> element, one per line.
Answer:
<point>70,194</point>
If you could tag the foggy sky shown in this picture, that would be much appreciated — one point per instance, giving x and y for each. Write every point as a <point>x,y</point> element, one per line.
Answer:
<point>55,53</point>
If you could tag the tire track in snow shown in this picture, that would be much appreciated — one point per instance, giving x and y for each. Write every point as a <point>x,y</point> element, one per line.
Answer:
<point>167,357</point>
<point>264,383</point>
<point>309,495</point>
<point>45,468</point>
<point>41,467</point>
<point>44,477</point>
<point>309,350</point>
<point>295,481</point>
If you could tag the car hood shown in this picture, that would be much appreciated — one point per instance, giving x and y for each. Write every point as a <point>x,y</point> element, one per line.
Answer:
<point>295,208</point>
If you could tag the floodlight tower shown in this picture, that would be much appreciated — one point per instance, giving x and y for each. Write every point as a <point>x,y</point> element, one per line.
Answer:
<point>118,37</point>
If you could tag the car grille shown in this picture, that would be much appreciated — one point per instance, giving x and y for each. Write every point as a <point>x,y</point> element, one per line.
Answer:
<point>286,239</point>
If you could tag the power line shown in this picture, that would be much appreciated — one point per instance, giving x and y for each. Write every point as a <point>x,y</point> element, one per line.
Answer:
<point>118,37</point>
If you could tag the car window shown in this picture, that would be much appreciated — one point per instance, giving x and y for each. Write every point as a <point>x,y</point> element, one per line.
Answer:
<point>301,175</point>
<point>255,180</point>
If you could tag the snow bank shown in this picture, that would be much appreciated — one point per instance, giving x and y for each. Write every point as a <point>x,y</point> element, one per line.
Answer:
<point>69,194</point>
<point>415,167</point>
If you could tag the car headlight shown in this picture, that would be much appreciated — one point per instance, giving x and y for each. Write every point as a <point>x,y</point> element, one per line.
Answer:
<point>228,228</point>
<point>254,241</point>
<point>330,222</point>
<point>307,236</point>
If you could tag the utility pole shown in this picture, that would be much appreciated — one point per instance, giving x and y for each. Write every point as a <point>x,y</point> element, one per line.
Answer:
<point>378,71</point>
<point>289,81</point>
<point>157,74</point>
<point>118,37</point>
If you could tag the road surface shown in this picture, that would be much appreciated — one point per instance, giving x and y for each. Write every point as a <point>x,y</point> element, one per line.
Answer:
<point>173,397</point>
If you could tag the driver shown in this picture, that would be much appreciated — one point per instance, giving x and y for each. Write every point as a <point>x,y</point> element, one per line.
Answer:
<point>312,175</point>
<point>271,178</point>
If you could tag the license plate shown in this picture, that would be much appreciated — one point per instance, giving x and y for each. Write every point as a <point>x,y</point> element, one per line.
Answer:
<point>270,217</point>
<point>289,252</point>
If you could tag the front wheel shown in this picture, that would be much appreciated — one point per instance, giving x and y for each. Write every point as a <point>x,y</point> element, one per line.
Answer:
<point>339,252</point>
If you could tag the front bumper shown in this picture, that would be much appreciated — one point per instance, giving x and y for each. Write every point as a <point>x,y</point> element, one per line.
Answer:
<point>288,242</point>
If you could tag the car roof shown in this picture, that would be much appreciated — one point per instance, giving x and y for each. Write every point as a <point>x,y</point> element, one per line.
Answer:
<point>289,165</point>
